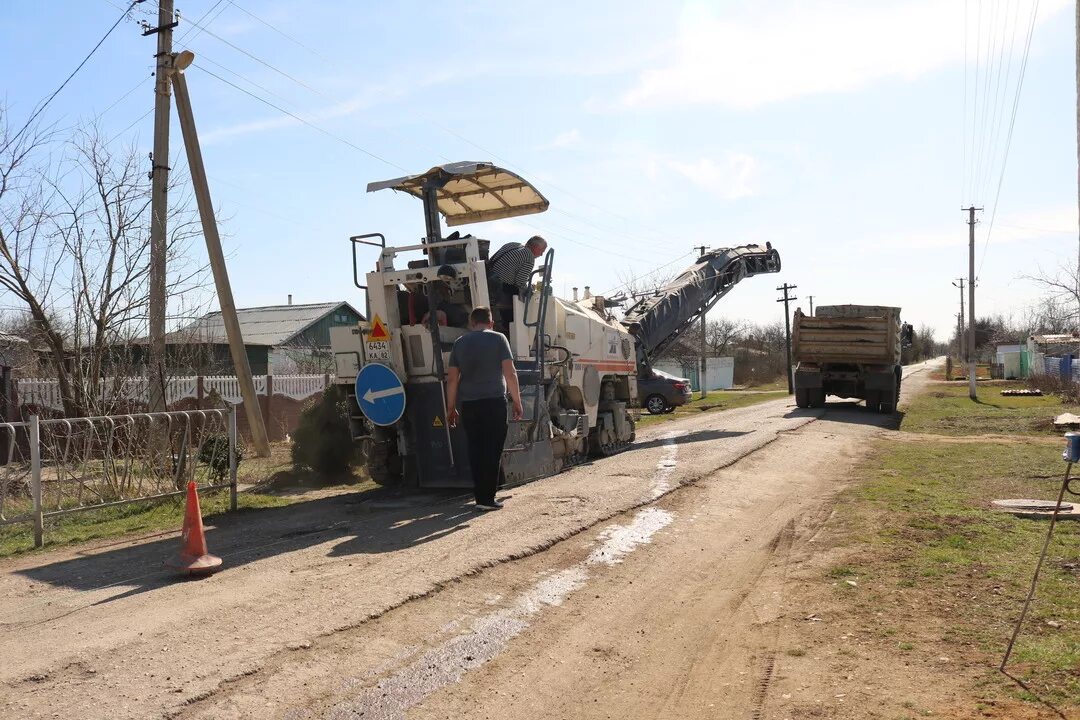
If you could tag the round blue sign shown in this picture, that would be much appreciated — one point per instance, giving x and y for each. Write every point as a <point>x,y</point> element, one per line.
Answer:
<point>380,394</point>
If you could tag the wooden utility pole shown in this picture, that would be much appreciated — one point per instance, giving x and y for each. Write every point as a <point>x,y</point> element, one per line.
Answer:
<point>971,302</point>
<point>959,282</point>
<point>704,372</point>
<point>159,202</point>
<point>217,257</point>
<point>787,300</point>
<point>811,305</point>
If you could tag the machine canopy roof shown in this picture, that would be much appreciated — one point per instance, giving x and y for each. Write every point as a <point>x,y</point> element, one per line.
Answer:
<point>469,192</point>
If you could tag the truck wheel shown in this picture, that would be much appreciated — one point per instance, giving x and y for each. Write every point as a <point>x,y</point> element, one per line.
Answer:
<point>802,397</point>
<point>888,405</point>
<point>656,404</point>
<point>873,398</point>
<point>817,398</point>
<point>382,463</point>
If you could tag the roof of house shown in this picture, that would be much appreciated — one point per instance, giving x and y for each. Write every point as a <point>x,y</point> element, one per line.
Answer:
<point>270,326</point>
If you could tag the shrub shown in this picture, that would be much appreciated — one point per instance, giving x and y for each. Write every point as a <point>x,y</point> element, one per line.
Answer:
<point>214,453</point>
<point>322,441</point>
<point>1067,389</point>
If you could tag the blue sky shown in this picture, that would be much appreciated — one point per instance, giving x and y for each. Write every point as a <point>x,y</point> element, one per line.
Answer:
<point>836,130</point>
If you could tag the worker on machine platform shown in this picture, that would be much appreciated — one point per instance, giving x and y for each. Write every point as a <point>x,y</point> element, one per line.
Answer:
<point>509,270</point>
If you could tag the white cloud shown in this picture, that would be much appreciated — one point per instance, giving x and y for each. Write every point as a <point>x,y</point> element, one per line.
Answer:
<point>1011,228</point>
<point>367,98</point>
<point>568,138</point>
<point>805,49</point>
<point>731,178</point>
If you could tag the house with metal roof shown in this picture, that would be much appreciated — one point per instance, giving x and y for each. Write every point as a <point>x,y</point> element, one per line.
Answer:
<point>279,339</point>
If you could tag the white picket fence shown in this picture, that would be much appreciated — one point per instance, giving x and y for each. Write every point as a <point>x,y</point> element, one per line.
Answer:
<point>44,392</point>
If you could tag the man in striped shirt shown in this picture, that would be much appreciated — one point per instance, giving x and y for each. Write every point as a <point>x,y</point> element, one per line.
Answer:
<point>509,270</point>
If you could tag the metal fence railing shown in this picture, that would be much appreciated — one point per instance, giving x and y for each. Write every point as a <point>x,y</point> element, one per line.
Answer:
<point>56,467</point>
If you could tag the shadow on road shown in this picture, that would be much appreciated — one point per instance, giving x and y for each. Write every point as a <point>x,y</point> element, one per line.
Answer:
<point>697,436</point>
<point>378,522</point>
<point>850,411</point>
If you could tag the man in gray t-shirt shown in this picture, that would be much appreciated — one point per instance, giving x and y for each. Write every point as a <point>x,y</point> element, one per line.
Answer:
<point>480,374</point>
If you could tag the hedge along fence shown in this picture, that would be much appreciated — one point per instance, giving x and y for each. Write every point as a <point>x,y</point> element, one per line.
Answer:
<point>281,397</point>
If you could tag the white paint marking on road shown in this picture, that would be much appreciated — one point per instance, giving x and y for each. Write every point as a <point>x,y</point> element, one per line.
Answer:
<point>489,635</point>
<point>666,467</point>
<point>621,540</point>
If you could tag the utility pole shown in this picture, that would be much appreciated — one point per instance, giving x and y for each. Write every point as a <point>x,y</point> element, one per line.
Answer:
<point>1078,139</point>
<point>159,201</point>
<point>971,301</point>
<point>177,65</point>
<point>787,299</point>
<point>960,333</point>
<point>704,344</point>
<point>811,305</point>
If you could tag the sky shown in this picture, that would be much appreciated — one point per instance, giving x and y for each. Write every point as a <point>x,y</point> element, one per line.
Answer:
<point>847,134</point>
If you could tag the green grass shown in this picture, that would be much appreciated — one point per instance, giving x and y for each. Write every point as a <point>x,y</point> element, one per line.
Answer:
<point>716,400</point>
<point>135,518</point>
<point>945,409</point>
<point>925,538</point>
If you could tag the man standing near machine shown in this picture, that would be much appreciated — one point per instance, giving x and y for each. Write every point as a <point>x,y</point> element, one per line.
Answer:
<point>481,373</point>
<point>509,270</point>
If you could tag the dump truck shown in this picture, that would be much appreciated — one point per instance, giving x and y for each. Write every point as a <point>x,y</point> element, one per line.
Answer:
<point>851,351</point>
<point>577,363</point>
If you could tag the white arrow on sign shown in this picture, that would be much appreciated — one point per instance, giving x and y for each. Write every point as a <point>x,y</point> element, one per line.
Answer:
<point>372,395</point>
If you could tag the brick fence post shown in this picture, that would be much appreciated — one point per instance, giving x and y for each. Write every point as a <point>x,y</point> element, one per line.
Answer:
<point>267,414</point>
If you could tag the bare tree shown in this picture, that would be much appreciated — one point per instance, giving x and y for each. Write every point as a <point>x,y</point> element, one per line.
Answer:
<point>74,250</point>
<point>1062,293</point>
<point>723,333</point>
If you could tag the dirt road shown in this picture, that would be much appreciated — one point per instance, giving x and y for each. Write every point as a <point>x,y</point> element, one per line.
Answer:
<point>644,602</point>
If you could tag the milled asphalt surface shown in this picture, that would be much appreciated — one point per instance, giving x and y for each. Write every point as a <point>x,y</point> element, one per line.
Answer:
<point>109,633</point>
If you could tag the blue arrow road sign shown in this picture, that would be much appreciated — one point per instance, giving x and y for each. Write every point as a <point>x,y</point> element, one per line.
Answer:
<point>380,394</point>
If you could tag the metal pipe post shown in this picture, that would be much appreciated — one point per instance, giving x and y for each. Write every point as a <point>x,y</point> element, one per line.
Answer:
<point>232,457</point>
<point>35,480</point>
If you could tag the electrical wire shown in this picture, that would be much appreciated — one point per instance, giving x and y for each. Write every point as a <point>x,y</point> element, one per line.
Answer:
<point>257,59</point>
<point>627,283</point>
<point>41,108</point>
<point>1009,135</point>
<point>279,31</point>
<point>300,119</point>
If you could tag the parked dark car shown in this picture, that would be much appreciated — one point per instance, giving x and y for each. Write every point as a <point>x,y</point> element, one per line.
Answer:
<point>662,393</point>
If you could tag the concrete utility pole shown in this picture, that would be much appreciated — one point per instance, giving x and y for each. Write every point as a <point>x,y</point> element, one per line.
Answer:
<point>971,301</point>
<point>1078,141</point>
<point>787,299</point>
<point>159,202</point>
<point>704,372</point>
<point>217,257</point>
<point>811,305</point>
<point>960,333</point>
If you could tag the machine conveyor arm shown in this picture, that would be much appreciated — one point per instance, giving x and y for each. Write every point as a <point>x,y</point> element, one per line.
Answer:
<point>658,320</point>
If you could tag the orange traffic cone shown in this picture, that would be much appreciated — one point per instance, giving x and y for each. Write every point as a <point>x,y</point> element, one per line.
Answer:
<point>193,557</point>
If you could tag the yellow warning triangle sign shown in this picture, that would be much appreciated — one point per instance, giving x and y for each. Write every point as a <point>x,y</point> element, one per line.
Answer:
<point>437,422</point>
<point>378,330</point>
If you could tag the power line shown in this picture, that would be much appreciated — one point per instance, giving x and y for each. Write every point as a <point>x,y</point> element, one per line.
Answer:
<point>296,117</point>
<point>634,278</point>
<point>257,59</point>
<point>1009,135</point>
<point>74,72</point>
<point>280,32</point>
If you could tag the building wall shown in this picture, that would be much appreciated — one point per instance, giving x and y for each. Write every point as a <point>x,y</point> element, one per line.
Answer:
<point>318,335</point>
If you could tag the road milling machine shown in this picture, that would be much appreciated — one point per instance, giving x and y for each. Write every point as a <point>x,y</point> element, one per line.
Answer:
<point>577,364</point>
